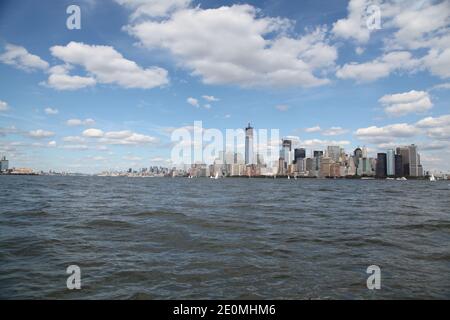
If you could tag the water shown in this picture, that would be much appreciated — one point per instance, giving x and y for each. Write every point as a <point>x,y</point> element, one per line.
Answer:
<point>162,238</point>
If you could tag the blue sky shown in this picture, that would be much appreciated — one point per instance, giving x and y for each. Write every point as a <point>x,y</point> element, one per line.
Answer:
<point>107,96</point>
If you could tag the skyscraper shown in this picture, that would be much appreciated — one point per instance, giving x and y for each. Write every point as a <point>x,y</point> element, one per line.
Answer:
<point>334,153</point>
<point>4,164</point>
<point>390,163</point>
<point>381,165</point>
<point>249,145</point>
<point>299,154</point>
<point>404,152</point>
<point>357,155</point>
<point>399,166</point>
<point>413,161</point>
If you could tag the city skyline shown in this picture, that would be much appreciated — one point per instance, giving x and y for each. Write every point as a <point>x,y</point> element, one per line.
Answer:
<point>108,96</point>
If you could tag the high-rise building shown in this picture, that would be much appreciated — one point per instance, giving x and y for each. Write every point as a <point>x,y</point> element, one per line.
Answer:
<point>390,163</point>
<point>299,154</point>
<point>4,164</point>
<point>286,151</point>
<point>381,165</point>
<point>404,152</point>
<point>357,154</point>
<point>334,153</point>
<point>325,166</point>
<point>413,161</point>
<point>398,166</point>
<point>249,145</point>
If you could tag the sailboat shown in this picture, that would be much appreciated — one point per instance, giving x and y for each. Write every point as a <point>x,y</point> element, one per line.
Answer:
<point>217,176</point>
<point>289,177</point>
<point>432,178</point>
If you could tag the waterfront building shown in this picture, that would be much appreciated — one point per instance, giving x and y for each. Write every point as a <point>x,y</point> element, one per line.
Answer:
<point>404,153</point>
<point>357,154</point>
<point>334,153</point>
<point>381,165</point>
<point>325,165</point>
<point>286,151</point>
<point>398,166</point>
<point>249,143</point>
<point>4,164</point>
<point>299,154</point>
<point>390,163</point>
<point>413,161</point>
<point>310,164</point>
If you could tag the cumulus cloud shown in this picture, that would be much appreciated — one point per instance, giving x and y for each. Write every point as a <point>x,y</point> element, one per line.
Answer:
<point>40,134</point>
<point>105,65</point>
<point>431,122</point>
<point>51,111</point>
<point>93,133</point>
<point>153,8</point>
<point>3,106</point>
<point>235,45</point>
<point>334,131</point>
<point>423,25</point>
<point>388,133</point>
<point>409,102</point>
<point>60,79</point>
<point>354,25</point>
<point>379,68</point>
<point>193,102</point>
<point>124,137</point>
<point>20,58</point>
<point>79,122</point>
<point>313,129</point>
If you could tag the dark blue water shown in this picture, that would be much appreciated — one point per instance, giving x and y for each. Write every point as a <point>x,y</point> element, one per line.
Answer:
<point>162,238</point>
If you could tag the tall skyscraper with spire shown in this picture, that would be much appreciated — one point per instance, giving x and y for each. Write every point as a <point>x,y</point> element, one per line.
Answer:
<point>249,157</point>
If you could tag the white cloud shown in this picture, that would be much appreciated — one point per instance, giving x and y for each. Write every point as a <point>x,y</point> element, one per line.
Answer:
<point>153,8</point>
<point>431,122</point>
<point>282,107</point>
<point>442,86</point>
<point>125,137</point>
<point>79,122</point>
<point>354,25</point>
<point>438,62</point>
<point>51,111</point>
<point>388,133</point>
<point>334,131</point>
<point>93,133</point>
<point>409,102</point>
<point>52,144</point>
<point>39,134</point>
<point>3,106</point>
<point>193,102</point>
<point>107,66</point>
<point>313,129</point>
<point>20,58</point>
<point>379,68</point>
<point>60,79</point>
<point>210,98</point>
<point>235,45</point>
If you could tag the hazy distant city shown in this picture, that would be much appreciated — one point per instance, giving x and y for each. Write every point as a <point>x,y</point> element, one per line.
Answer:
<point>334,162</point>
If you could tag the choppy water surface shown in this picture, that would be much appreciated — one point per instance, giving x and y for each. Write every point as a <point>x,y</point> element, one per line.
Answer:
<point>162,238</point>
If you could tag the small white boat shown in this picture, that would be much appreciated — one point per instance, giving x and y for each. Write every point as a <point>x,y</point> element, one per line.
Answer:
<point>432,178</point>
<point>401,179</point>
<point>289,177</point>
<point>217,176</point>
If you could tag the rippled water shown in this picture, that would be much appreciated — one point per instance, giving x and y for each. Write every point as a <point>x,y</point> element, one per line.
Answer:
<point>162,238</point>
